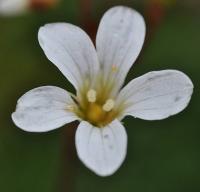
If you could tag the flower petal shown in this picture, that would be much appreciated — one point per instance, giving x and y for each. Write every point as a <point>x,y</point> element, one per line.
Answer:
<point>101,149</point>
<point>43,109</point>
<point>156,95</point>
<point>119,41</point>
<point>71,50</point>
<point>13,7</point>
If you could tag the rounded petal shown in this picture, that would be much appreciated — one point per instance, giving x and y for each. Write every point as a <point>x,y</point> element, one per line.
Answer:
<point>101,149</point>
<point>119,41</point>
<point>156,95</point>
<point>71,50</point>
<point>13,7</point>
<point>43,109</point>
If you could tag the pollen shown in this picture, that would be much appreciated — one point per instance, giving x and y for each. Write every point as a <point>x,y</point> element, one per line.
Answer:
<point>91,95</point>
<point>109,105</point>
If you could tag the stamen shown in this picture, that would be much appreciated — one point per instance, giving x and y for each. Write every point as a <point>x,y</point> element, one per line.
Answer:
<point>109,105</point>
<point>91,95</point>
<point>70,107</point>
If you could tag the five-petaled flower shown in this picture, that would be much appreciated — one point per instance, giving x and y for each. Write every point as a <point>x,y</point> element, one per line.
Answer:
<point>100,102</point>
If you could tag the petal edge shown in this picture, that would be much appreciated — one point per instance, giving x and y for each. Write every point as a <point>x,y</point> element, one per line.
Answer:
<point>156,95</point>
<point>43,109</point>
<point>119,40</point>
<point>102,150</point>
<point>71,50</point>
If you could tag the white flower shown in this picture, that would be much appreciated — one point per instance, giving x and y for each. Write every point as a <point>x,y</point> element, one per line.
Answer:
<point>13,7</point>
<point>98,75</point>
<point>17,7</point>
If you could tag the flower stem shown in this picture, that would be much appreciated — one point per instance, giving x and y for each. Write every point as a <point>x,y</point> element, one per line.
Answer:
<point>68,158</point>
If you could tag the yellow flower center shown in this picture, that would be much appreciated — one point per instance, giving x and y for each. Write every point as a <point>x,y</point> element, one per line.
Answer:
<point>96,110</point>
<point>96,113</point>
<point>97,105</point>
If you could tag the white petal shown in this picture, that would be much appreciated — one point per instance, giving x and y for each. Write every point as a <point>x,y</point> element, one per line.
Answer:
<point>71,50</point>
<point>157,95</point>
<point>119,41</point>
<point>13,7</point>
<point>101,149</point>
<point>43,109</point>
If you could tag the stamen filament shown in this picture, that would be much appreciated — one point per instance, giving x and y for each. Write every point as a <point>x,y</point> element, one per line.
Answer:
<point>70,108</point>
<point>114,68</point>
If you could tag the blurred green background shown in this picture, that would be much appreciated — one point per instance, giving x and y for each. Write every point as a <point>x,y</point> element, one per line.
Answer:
<point>162,155</point>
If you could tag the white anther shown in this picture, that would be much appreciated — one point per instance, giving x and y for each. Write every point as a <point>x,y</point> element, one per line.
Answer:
<point>109,105</point>
<point>91,95</point>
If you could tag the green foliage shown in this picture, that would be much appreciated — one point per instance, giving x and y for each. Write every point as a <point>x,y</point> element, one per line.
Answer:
<point>162,155</point>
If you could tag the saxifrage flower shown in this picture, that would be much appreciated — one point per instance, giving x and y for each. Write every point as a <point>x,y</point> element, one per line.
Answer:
<point>100,102</point>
